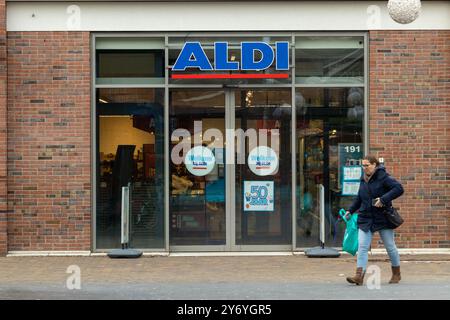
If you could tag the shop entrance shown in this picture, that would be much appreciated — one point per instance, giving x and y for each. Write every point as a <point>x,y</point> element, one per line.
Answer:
<point>237,205</point>
<point>315,104</point>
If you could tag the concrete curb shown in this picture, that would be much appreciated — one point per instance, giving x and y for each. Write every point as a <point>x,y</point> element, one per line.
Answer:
<point>439,251</point>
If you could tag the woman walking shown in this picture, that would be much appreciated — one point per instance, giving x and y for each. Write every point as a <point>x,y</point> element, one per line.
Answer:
<point>376,192</point>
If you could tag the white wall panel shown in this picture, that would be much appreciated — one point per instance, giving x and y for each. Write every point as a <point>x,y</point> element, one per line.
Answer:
<point>217,16</point>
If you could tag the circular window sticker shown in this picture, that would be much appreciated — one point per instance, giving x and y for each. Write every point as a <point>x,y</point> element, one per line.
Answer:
<point>199,161</point>
<point>263,161</point>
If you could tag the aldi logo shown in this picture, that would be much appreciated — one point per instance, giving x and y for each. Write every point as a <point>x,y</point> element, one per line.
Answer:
<point>255,56</point>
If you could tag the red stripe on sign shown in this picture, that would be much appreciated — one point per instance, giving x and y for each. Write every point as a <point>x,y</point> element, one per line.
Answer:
<point>199,168</point>
<point>231,76</point>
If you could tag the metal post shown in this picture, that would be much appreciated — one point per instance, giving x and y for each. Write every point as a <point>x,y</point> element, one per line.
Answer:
<point>125,252</point>
<point>125,216</point>
<point>322,214</point>
<point>322,251</point>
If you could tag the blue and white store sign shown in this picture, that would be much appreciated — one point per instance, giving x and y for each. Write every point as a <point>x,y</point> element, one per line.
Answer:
<point>263,161</point>
<point>254,56</point>
<point>258,196</point>
<point>200,161</point>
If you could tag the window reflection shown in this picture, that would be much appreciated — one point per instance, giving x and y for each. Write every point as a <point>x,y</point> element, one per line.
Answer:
<point>197,202</point>
<point>130,63</point>
<point>327,119</point>
<point>329,60</point>
<point>265,110</point>
<point>130,124</point>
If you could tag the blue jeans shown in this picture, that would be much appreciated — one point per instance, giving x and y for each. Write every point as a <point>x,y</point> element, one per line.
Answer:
<point>365,239</point>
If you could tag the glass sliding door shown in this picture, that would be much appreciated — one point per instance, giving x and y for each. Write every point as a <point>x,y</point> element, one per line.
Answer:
<point>263,188</point>
<point>197,198</point>
<point>234,205</point>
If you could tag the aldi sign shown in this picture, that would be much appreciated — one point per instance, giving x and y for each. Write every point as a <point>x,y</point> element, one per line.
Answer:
<point>193,56</point>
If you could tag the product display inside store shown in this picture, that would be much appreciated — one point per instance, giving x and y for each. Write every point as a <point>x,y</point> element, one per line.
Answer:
<point>130,155</point>
<point>197,200</point>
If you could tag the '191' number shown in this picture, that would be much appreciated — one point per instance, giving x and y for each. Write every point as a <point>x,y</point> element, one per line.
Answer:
<point>353,149</point>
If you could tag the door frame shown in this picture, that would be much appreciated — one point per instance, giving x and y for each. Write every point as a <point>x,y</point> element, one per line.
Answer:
<point>230,195</point>
<point>168,86</point>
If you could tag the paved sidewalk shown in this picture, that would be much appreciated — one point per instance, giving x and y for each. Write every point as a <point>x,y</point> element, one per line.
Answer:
<point>243,277</point>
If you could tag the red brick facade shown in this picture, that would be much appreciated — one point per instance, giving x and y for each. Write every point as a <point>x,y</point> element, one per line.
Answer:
<point>49,160</point>
<point>410,127</point>
<point>49,145</point>
<point>3,135</point>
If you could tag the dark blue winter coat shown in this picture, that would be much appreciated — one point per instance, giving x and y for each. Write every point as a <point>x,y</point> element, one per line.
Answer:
<point>381,185</point>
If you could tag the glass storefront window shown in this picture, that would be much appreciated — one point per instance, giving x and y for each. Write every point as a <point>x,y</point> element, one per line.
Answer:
<point>329,137</point>
<point>329,60</point>
<point>130,67</point>
<point>329,98</point>
<point>130,140</point>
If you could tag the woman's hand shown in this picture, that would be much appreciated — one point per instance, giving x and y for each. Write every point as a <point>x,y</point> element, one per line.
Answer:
<point>378,203</point>
<point>347,215</point>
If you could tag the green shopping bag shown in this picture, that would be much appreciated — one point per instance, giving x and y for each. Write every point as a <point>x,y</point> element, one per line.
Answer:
<point>350,243</point>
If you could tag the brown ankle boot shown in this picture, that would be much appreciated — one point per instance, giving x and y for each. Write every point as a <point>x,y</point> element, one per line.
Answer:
<point>395,275</point>
<point>358,279</point>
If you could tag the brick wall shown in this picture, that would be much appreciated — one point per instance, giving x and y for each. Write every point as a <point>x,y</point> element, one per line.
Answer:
<point>3,130</point>
<point>410,128</point>
<point>49,135</point>
<point>49,172</point>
